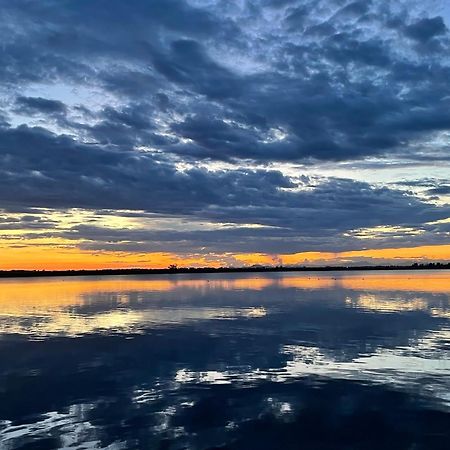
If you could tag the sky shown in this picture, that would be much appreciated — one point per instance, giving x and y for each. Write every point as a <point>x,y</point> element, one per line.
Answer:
<point>223,132</point>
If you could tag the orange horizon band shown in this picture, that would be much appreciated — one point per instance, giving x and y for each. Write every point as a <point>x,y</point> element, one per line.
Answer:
<point>61,258</point>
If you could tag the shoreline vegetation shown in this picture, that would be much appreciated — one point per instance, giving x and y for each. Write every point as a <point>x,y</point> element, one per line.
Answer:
<point>173,269</point>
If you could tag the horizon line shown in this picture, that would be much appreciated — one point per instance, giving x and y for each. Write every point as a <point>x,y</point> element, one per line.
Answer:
<point>173,269</point>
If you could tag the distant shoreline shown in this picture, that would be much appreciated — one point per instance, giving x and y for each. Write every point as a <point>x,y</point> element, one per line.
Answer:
<point>188,270</point>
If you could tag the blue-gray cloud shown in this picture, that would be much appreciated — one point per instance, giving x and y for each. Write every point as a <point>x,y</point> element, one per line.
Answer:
<point>294,213</point>
<point>336,80</point>
<point>36,105</point>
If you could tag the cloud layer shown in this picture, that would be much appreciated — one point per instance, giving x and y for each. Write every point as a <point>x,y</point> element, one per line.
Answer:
<point>224,112</point>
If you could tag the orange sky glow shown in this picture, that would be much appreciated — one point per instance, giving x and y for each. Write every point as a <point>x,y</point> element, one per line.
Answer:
<point>61,258</point>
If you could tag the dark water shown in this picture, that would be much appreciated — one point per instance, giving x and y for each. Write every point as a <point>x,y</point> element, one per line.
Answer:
<point>269,361</point>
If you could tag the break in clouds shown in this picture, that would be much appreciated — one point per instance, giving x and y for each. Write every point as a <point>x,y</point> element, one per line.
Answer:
<point>258,126</point>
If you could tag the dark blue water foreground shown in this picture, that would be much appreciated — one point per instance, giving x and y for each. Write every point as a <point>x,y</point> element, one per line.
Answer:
<point>237,361</point>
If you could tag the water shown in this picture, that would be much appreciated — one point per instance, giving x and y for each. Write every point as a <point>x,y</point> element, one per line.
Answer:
<point>239,361</point>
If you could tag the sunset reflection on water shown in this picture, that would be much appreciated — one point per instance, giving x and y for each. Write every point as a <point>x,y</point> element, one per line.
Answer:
<point>55,302</point>
<point>189,361</point>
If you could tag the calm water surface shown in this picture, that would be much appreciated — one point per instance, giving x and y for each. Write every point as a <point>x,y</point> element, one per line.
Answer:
<point>255,361</point>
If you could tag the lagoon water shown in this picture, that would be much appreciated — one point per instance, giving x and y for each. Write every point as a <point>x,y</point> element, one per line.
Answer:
<point>332,361</point>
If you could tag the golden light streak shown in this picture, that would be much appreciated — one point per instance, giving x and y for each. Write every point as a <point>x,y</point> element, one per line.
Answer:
<point>430,252</point>
<point>396,255</point>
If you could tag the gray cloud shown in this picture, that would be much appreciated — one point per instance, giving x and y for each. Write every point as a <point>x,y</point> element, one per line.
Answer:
<point>25,222</point>
<point>296,213</point>
<point>34,105</point>
<point>426,29</point>
<point>337,78</point>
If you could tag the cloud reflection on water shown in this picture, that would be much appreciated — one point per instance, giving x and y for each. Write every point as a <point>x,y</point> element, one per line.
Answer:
<point>229,361</point>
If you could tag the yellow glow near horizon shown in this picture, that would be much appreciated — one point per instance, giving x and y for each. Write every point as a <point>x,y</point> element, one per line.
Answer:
<point>395,255</point>
<point>51,304</point>
<point>431,252</point>
<point>53,292</point>
<point>54,257</point>
<point>63,258</point>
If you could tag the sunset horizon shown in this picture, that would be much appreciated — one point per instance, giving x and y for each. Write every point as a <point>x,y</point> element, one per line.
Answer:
<point>225,224</point>
<point>48,261</point>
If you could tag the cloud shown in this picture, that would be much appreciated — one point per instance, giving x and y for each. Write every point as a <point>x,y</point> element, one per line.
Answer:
<point>295,213</point>
<point>34,105</point>
<point>426,29</point>
<point>432,186</point>
<point>225,112</point>
<point>25,222</point>
<point>440,190</point>
<point>286,81</point>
